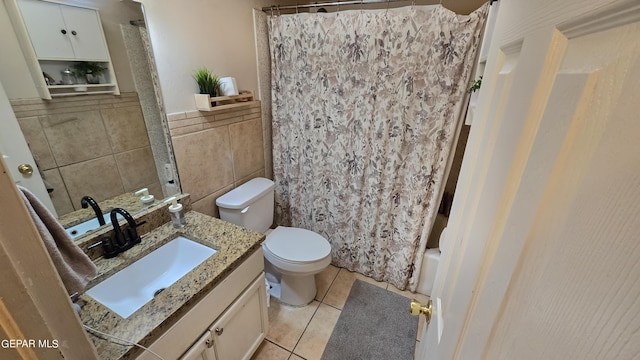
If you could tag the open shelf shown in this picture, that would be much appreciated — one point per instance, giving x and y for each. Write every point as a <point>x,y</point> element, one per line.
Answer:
<point>82,89</point>
<point>204,102</point>
<point>78,85</point>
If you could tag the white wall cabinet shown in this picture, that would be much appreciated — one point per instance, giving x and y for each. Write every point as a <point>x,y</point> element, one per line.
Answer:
<point>54,37</point>
<point>229,323</point>
<point>60,32</point>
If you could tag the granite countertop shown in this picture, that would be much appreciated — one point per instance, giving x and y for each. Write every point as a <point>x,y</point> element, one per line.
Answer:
<point>233,244</point>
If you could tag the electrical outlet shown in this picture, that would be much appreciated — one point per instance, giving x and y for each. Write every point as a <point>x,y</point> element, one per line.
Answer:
<point>168,172</point>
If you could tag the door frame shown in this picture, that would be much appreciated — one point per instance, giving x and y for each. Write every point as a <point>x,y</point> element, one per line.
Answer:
<point>33,301</point>
<point>473,276</point>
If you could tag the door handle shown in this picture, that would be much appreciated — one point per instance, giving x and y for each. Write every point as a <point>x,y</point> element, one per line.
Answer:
<point>416,309</point>
<point>25,169</point>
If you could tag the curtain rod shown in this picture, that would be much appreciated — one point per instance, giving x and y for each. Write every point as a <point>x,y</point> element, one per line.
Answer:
<point>322,4</point>
<point>335,3</point>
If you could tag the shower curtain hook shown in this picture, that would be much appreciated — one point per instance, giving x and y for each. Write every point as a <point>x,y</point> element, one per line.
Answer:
<point>271,8</point>
<point>296,9</point>
<point>388,1</point>
<point>279,10</point>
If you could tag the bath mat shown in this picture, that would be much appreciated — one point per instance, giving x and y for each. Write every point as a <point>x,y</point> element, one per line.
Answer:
<point>374,324</point>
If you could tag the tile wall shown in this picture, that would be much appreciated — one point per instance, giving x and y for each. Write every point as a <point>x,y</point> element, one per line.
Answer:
<point>217,151</point>
<point>94,145</point>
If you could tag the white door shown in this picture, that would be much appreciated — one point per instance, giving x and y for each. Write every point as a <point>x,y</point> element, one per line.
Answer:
<point>15,151</point>
<point>543,257</point>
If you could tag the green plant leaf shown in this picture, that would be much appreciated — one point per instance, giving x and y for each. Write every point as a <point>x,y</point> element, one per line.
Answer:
<point>208,83</point>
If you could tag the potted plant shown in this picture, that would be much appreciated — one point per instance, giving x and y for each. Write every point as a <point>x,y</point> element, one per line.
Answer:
<point>207,82</point>
<point>89,70</point>
<point>475,86</point>
<point>209,85</point>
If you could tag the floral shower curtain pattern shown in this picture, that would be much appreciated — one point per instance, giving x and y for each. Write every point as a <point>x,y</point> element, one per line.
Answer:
<point>365,109</point>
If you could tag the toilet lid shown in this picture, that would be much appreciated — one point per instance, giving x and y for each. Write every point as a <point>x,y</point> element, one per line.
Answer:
<point>297,245</point>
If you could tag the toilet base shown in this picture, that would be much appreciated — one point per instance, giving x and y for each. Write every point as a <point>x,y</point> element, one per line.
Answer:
<point>294,290</point>
<point>297,290</point>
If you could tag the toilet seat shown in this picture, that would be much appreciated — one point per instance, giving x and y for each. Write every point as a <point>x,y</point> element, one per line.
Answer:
<point>297,250</point>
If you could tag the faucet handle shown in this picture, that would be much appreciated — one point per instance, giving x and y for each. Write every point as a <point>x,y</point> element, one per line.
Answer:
<point>134,238</point>
<point>107,246</point>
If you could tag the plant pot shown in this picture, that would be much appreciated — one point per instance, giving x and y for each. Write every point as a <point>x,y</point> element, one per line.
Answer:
<point>92,79</point>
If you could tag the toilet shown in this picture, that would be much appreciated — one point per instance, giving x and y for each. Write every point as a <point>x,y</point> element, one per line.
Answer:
<point>292,255</point>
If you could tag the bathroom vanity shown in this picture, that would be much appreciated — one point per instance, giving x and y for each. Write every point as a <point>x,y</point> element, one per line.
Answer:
<point>216,311</point>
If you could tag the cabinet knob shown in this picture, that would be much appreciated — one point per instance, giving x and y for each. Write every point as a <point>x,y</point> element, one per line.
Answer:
<point>219,331</point>
<point>63,31</point>
<point>73,32</point>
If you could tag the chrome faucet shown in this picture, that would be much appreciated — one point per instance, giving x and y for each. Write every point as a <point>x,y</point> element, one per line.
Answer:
<point>87,201</point>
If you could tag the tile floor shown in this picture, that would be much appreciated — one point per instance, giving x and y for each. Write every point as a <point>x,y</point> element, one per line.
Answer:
<point>302,333</point>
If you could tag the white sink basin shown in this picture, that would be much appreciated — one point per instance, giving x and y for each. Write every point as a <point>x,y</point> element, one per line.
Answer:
<point>132,287</point>
<point>86,226</point>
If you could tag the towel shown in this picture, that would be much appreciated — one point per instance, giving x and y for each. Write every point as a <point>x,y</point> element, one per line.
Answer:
<point>74,266</point>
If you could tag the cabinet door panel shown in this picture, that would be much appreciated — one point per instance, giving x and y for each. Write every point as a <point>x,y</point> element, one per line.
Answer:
<point>85,33</point>
<point>201,350</point>
<point>239,332</point>
<point>45,25</point>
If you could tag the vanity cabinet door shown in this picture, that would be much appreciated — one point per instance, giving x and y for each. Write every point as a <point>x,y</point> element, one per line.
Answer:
<point>201,350</point>
<point>240,330</point>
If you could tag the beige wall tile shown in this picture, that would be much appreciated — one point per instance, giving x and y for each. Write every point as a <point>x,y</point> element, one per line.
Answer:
<point>341,287</point>
<point>324,280</point>
<point>176,116</point>
<point>287,323</point>
<point>204,162</point>
<point>137,168</point>
<point>76,137</point>
<point>187,129</point>
<point>155,189</point>
<point>98,178</point>
<point>259,173</point>
<point>295,357</point>
<point>207,205</point>
<point>248,150</point>
<point>59,196</point>
<point>33,133</point>
<point>187,122</point>
<point>317,334</point>
<point>125,127</point>
<point>269,351</point>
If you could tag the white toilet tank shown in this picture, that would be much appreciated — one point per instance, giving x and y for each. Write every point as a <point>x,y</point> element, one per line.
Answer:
<point>250,205</point>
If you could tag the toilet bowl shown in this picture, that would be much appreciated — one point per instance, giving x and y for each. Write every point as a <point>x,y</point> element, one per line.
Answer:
<point>292,255</point>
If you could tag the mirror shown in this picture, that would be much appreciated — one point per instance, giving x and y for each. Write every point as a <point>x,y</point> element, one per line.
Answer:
<point>103,146</point>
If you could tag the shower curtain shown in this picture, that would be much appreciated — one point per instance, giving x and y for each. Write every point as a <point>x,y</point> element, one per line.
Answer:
<point>365,106</point>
